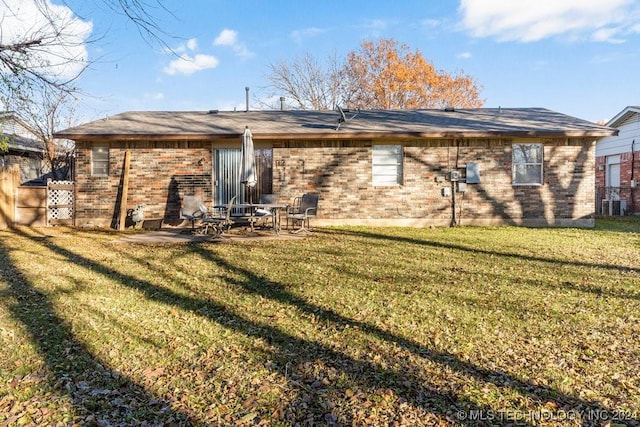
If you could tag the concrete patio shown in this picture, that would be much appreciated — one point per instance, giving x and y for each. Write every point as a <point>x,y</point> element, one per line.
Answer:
<point>181,235</point>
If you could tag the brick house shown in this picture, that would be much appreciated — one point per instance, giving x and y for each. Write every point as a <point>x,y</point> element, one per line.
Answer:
<point>527,166</point>
<point>618,166</point>
<point>23,149</point>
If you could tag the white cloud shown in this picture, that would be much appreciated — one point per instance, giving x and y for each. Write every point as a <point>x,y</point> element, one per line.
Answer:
<point>189,61</point>
<point>157,96</point>
<point>188,65</point>
<point>430,23</point>
<point>612,57</point>
<point>540,65</point>
<point>375,28</point>
<point>298,36</point>
<point>188,46</point>
<point>533,20</point>
<point>464,55</point>
<point>63,52</point>
<point>229,38</point>
<point>226,38</point>
<point>192,44</point>
<point>376,24</point>
<point>606,35</point>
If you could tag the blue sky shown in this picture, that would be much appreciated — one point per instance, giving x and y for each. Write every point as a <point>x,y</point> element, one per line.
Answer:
<point>578,57</point>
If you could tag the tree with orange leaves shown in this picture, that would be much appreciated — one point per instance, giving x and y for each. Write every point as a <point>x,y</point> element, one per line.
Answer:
<point>385,75</point>
<point>382,75</point>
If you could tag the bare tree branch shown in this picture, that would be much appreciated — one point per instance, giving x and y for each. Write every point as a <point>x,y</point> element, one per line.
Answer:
<point>43,51</point>
<point>307,82</point>
<point>144,14</point>
<point>43,109</point>
<point>52,48</point>
<point>381,75</point>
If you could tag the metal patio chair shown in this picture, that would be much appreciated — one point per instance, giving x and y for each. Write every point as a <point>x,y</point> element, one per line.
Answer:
<point>303,209</point>
<point>220,221</point>
<point>264,216</point>
<point>193,209</point>
<point>268,199</point>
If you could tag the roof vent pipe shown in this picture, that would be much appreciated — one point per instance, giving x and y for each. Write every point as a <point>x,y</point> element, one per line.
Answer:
<point>247,98</point>
<point>282,103</point>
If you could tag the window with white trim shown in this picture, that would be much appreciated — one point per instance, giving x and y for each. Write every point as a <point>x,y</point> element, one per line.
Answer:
<point>386,163</point>
<point>527,161</point>
<point>34,170</point>
<point>100,161</point>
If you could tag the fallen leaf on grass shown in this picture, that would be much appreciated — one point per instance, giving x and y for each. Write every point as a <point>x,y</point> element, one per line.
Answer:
<point>249,417</point>
<point>151,374</point>
<point>249,403</point>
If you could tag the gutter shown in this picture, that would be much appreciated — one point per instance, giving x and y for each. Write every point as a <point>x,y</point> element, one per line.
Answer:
<point>633,183</point>
<point>333,135</point>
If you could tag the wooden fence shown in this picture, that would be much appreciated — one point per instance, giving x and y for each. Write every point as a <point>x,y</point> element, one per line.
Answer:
<point>9,182</point>
<point>33,206</point>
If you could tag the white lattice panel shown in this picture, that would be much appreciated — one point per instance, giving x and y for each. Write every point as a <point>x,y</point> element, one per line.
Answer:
<point>60,200</point>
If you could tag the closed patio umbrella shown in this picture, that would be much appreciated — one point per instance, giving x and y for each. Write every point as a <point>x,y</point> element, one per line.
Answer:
<point>248,175</point>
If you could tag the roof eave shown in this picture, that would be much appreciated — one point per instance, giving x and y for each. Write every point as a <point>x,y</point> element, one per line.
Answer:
<point>443,134</point>
<point>144,136</point>
<point>24,148</point>
<point>340,135</point>
<point>622,116</point>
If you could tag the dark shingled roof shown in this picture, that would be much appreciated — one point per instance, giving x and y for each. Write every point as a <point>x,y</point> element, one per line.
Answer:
<point>20,143</point>
<point>299,124</point>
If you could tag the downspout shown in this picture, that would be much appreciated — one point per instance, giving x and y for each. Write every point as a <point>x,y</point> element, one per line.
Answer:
<point>454,220</point>
<point>453,204</point>
<point>634,185</point>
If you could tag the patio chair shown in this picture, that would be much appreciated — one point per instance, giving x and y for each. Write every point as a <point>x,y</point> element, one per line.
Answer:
<point>220,221</point>
<point>268,199</point>
<point>192,209</point>
<point>263,215</point>
<point>303,209</point>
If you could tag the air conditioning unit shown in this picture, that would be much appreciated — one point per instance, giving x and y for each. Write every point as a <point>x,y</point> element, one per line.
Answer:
<point>613,207</point>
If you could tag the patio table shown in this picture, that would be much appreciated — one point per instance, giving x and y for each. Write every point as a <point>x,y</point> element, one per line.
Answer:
<point>273,208</point>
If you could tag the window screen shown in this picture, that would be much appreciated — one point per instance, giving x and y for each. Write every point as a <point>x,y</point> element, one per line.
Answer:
<point>527,164</point>
<point>100,161</point>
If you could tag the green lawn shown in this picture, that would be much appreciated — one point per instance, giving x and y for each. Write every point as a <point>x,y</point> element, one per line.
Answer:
<point>351,326</point>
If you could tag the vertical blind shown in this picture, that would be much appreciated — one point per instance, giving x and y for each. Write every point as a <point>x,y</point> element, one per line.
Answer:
<point>227,175</point>
<point>386,165</point>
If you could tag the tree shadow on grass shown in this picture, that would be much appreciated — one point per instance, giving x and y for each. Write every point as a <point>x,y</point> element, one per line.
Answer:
<point>401,382</point>
<point>403,379</point>
<point>98,394</point>
<point>289,350</point>
<point>569,285</point>
<point>594,411</point>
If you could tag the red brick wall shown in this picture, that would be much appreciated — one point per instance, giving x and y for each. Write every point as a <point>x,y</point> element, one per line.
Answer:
<point>159,176</point>
<point>631,195</point>
<point>341,172</point>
